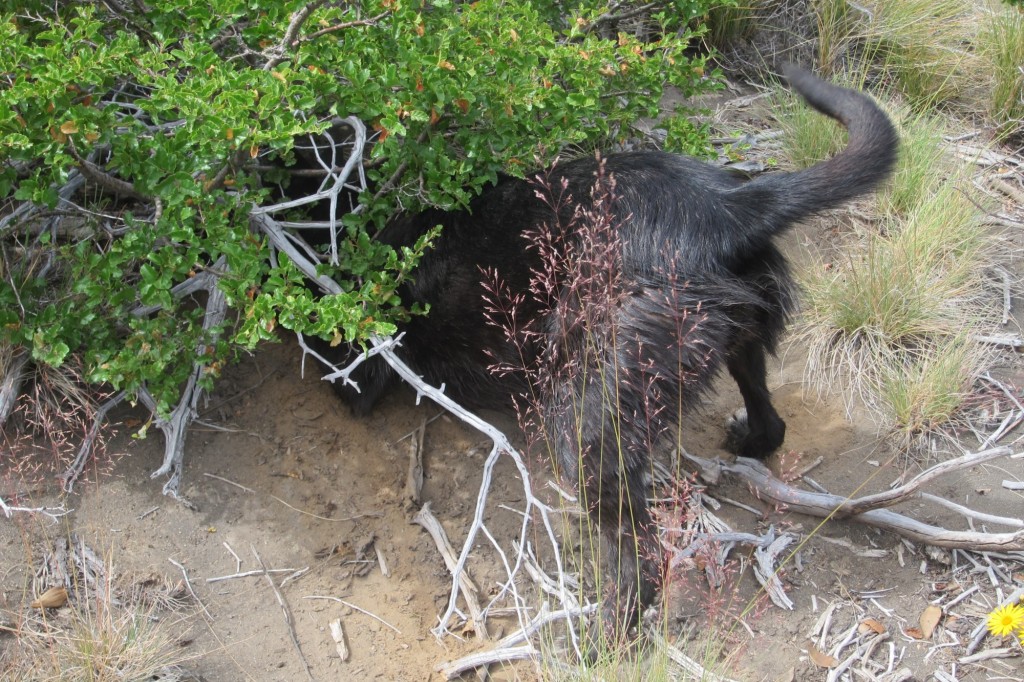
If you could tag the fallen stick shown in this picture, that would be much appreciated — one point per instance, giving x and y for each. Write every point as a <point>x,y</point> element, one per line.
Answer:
<point>284,609</point>
<point>691,666</point>
<point>338,635</point>
<point>828,506</point>
<point>425,518</point>
<point>247,574</point>
<point>509,645</point>
<point>484,658</point>
<point>188,584</point>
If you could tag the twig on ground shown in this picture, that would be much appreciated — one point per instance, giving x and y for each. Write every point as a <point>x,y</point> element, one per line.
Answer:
<point>688,664</point>
<point>485,658</point>
<point>355,608</point>
<point>508,648</point>
<point>766,572</point>
<point>248,574</point>
<point>1005,652</point>
<point>229,482</point>
<point>1013,341</point>
<point>381,560</point>
<point>238,560</point>
<point>284,608</point>
<point>191,591</point>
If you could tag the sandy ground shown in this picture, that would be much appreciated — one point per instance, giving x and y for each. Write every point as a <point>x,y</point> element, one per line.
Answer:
<point>325,491</point>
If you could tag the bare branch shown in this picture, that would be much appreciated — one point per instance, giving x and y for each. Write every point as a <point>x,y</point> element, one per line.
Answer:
<point>826,505</point>
<point>340,27</point>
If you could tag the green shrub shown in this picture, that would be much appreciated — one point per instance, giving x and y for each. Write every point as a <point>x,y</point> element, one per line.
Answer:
<point>132,145</point>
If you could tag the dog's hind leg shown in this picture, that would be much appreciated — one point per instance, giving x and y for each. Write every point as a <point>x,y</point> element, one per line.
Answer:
<point>597,450</point>
<point>763,430</point>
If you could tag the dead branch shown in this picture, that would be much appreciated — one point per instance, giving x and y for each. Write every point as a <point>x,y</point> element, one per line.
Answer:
<point>104,179</point>
<point>905,491</point>
<point>340,27</point>
<point>175,427</point>
<point>481,659</point>
<point>425,518</point>
<point>826,505</point>
<point>53,512</point>
<point>247,574</point>
<point>261,221</point>
<point>14,375</point>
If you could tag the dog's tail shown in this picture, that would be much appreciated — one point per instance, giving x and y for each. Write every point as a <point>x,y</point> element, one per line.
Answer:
<point>778,200</point>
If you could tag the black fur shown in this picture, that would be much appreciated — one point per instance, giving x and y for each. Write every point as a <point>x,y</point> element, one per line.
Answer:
<point>705,286</point>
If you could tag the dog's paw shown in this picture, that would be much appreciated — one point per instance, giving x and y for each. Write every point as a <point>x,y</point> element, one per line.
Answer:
<point>737,431</point>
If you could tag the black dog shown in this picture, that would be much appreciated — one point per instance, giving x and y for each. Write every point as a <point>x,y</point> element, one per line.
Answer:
<point>701,285</point>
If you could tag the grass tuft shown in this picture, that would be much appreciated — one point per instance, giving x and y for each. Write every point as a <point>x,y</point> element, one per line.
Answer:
<point>925,46</point>
<point>890,318</point>
<point>99,643</point>
<point>1001,45</point>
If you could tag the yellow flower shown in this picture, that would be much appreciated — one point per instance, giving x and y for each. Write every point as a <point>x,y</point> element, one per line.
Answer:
<point>1006,619</point>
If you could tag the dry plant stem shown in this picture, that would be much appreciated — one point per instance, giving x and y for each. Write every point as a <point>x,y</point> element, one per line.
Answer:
<point>246,574</point>
<point>175,427</point>
<point>425,518</point>
<point>284,608</point>
<point>902,492</point>
<point>1009,341</point>
<point>188,584</point>
<point>825,505</point>
<point>1005,652</point>
<point>356,608</point>
<point>766,572</point>
<point>970,513</point>
<point>104,179</point>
